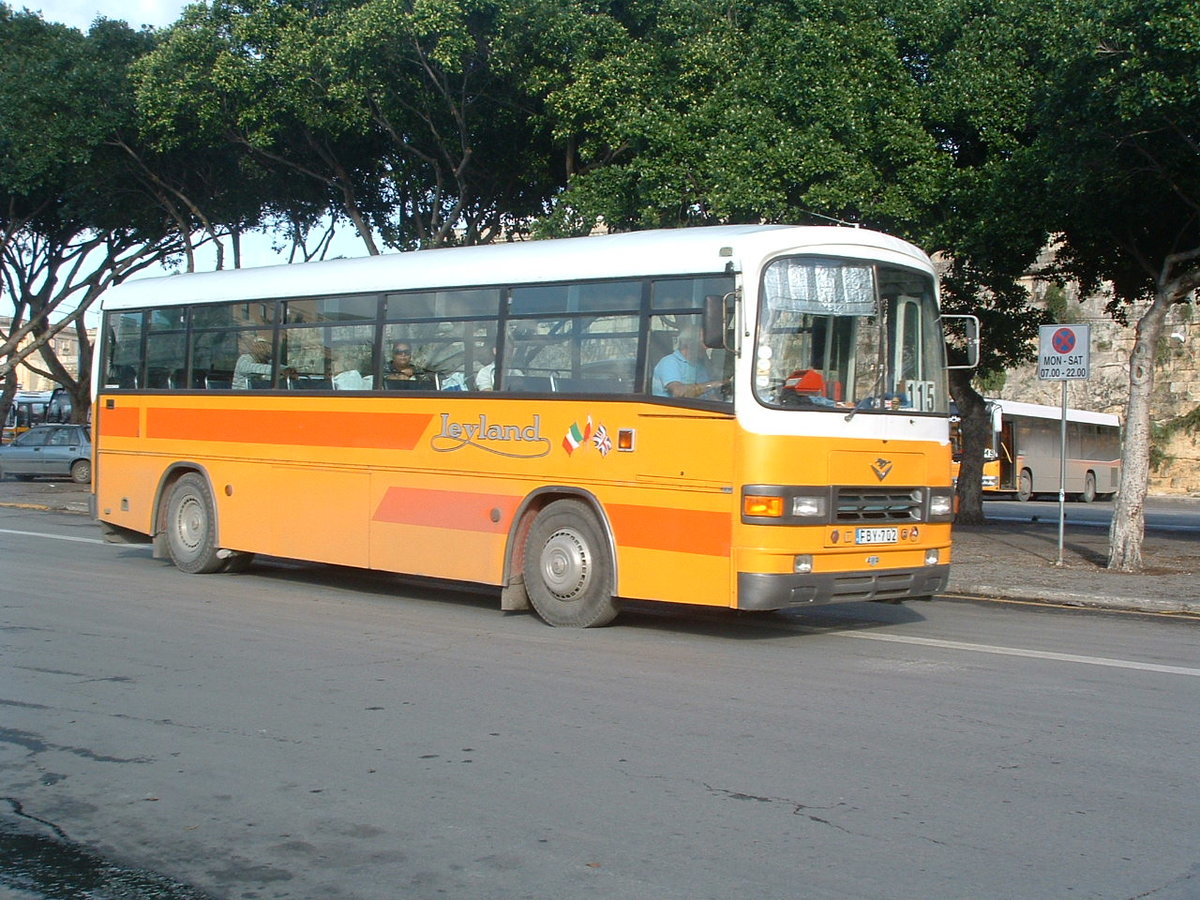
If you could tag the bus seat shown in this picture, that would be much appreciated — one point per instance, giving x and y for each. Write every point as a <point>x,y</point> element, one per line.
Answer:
<point>309,383</point>
<point>157,378</point>
<point>589,386</point>
<point>528,383</point>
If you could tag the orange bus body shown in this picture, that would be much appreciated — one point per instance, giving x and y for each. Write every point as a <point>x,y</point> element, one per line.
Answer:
<point>375,483</point>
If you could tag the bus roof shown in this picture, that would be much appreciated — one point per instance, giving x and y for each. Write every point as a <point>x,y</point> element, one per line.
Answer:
<point>1038,411</point>
<point>682,251</point>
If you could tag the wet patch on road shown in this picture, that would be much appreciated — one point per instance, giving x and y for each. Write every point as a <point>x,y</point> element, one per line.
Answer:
<point>38,859</point>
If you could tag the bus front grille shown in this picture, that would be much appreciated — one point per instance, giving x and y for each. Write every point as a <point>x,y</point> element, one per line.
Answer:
<point>879,504</point>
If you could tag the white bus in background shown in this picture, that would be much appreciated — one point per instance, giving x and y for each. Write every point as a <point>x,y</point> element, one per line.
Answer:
<point>1026,444</point>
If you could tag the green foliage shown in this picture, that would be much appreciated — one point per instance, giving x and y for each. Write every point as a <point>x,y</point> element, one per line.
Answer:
<point>990,384</point>
<point>1116,140</point>
<point>1161,435</point>
<point>407,117</point>
<point>716,112</point>
<point>1058,307</point>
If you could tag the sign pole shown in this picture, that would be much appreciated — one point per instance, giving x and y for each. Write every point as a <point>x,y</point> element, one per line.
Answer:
<point>1064,354</point>
<point>1062,474</point>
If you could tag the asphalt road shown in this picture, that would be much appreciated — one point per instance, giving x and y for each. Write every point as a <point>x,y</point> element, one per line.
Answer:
<point>312,732</point>
<point>1172,514</point>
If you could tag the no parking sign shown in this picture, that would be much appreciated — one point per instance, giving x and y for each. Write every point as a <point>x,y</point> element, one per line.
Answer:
<point>1064,352</point>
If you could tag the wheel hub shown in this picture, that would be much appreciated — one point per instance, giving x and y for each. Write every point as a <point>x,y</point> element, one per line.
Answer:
<point>190,523</point>
<point>566,567</point>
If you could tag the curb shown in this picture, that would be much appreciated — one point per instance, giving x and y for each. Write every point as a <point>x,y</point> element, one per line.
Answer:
<point>41,507</point>
<point>1079,601</point>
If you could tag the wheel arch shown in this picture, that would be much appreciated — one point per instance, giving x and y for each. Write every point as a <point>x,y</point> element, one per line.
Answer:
<point>162,494</point>
<point>512,584</point>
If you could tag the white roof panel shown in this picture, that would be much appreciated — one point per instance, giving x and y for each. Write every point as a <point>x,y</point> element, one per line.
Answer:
<point>683,251</point>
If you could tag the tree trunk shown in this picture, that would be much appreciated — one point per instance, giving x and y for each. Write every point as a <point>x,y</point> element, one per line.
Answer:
<point>1129,512</point>
<point>975,428</point>
<point>8,392</point>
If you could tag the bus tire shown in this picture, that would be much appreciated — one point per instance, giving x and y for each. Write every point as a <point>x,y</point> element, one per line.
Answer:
<point>568,570</point>
<point>81,471</point>
<point>1089,488</point>
<point>191,527</point>
<point>1025,486</point>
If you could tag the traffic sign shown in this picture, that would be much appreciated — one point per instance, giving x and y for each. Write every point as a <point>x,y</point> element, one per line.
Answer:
<point>1064,352</point>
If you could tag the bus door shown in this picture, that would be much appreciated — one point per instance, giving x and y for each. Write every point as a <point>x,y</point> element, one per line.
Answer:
<point>1008,454</point>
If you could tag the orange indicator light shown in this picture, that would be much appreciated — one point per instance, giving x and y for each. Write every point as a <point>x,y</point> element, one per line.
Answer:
<point>763,506</point>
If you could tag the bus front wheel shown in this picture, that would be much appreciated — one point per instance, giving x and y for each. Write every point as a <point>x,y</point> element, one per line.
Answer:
<point>1025,486</point>
<point>192,527</point>
<point>568,570</point>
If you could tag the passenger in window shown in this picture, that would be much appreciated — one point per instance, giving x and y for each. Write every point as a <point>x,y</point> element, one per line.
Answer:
<point>255,361</point>
<point>684,373</point>
<point>401,366</point>
<point>485,378</point>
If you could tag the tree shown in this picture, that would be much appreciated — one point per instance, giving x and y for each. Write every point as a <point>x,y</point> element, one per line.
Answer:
<point>716,112</point>
<point>1119,145</point>
<point>405,116</point>
<point>75,216</point>
<point>978,69</point>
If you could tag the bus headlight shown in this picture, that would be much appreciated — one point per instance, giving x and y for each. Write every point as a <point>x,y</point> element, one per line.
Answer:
<point>808,507</point>
<point>802,564</point>
<point>932,556</point>
<point>941,505</point>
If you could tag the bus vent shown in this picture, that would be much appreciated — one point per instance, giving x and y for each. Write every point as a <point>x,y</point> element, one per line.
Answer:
<point>878,505</point>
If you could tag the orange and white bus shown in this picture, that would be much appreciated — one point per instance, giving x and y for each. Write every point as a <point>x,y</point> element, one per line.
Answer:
<point>549,422</point>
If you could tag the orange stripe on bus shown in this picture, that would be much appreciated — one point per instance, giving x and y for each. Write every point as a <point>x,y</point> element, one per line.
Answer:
<point>678,530</point>
<point>118,422</point>
<point>460,510</point>
<point>377,431</point>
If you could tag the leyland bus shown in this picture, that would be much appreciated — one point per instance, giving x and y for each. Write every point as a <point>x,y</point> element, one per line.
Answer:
<point>748,417</point>
<point>1025,455</point>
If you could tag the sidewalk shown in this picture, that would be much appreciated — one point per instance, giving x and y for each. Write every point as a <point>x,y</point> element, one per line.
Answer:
<point>999,561</point>
<point>1010,561</point>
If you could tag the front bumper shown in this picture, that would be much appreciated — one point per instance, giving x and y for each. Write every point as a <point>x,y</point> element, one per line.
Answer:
<point>781,591</point>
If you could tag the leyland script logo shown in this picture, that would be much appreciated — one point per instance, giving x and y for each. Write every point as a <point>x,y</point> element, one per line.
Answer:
<point>517,441</point>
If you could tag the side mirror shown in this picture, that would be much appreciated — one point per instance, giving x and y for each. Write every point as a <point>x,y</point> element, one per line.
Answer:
<point>970,340</point>
<point>715,321</point>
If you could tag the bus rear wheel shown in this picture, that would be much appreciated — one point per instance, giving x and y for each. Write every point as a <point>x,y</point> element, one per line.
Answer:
<point>1089,488</point>
<point>1025,486</point>
<point>192,527</point>
<point>568,568</point>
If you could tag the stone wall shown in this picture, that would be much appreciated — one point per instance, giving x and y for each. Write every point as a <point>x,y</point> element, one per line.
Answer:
<point>1176,380</point>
